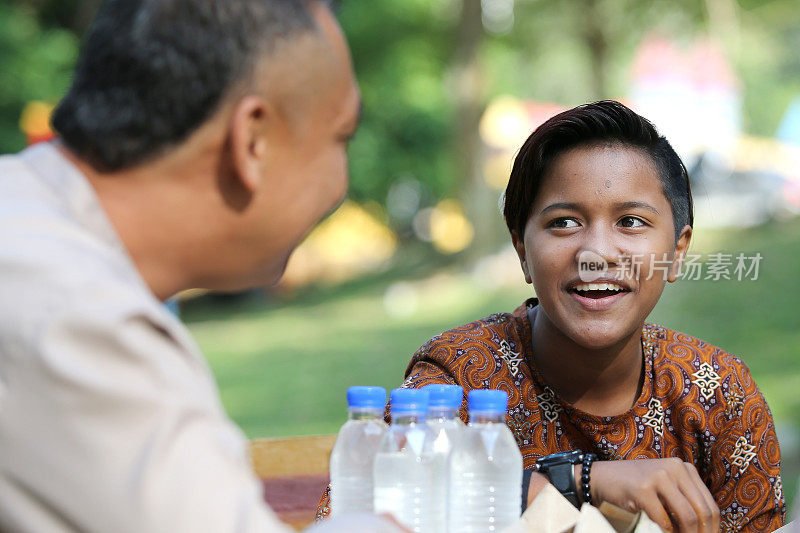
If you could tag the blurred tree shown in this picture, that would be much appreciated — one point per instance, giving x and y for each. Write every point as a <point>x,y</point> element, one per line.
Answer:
<point>428,67</point>
<point>469,89</point>
<point>424,64</point>
<point>35,64</point>
<point>580,50</point>
<point>769,61</point>
<point>74,15</point>
<point>401,51</point>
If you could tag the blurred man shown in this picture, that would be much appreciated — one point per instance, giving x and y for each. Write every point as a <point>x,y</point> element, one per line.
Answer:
<point>199,143</point>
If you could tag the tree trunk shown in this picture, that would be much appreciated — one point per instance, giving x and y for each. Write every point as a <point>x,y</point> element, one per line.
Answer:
<point>468,91</point>
<point>593,33</point>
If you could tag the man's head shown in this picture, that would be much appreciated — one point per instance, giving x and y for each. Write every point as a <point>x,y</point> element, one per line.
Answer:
<point>233,114</point>
<point>152,71</point>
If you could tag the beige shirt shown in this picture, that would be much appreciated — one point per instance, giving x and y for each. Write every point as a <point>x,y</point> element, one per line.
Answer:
<point>110,420</point>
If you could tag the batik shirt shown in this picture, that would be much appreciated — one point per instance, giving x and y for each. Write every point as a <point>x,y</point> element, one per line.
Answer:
<point>697,403</point>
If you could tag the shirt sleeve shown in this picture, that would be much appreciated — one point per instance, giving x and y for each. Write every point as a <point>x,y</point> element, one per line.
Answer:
<point>744,474</point>
<point>423,373</point>
<point>109,424</point>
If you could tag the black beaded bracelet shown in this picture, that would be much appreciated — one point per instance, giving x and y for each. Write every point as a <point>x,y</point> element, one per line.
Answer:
<point>586,472</point>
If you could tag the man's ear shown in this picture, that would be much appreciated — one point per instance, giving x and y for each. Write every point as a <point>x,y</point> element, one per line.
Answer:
<point>248,139</point>
<point>681,247</point>
<point>519,246</point>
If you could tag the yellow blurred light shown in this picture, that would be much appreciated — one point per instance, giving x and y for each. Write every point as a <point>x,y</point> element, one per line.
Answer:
<point>35,119</point>
<point>351,241</point>
<point>497,169</point>
<point>766,154</point>
<point>451,231</point>
<point>505,123</point>
<point>35,122</point>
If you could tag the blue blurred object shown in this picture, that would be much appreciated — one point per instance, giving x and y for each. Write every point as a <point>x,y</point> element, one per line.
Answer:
<point>444,395</point>
<point>173,307</point>
<point>487,400</point>
<point>366,397</point>
<point>789,129</point>
<point>409,402</point>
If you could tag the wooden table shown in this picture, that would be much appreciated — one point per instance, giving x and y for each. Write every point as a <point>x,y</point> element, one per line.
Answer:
<point>295,472</point>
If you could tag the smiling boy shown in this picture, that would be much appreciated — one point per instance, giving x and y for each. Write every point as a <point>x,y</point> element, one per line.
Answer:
<point>603,405</point>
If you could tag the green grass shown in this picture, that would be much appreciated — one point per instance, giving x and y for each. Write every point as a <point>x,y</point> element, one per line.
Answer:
<point>283,368</point>
<point>757,320</point>
<point>284,371</point>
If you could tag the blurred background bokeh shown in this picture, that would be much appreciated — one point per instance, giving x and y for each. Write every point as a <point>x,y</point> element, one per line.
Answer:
<point>451,88</point>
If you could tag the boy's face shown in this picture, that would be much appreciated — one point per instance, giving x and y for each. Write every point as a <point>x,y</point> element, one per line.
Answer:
<point>600,246</point>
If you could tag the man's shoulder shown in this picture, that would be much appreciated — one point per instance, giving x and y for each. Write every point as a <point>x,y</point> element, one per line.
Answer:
<point>12,165</point>
<point>48,242</point>
<point>51,254</point>
<point>54,267</point>
<point>85,297</point>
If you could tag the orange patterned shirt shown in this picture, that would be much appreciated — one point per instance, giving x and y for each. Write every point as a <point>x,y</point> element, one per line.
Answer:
<point>697,403</point>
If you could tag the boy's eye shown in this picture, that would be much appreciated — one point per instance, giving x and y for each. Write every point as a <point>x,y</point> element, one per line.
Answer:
<point>631,222</point>
<point>564,223</point>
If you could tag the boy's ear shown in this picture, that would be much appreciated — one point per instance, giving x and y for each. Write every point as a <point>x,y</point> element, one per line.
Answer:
<point>681,247</point>
<point>519,246</point>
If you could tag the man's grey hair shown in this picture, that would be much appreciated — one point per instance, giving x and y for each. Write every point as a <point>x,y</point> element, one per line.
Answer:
<point>152,71</point>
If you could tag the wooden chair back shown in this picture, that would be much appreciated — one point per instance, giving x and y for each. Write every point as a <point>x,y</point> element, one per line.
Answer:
<point>294,472</point>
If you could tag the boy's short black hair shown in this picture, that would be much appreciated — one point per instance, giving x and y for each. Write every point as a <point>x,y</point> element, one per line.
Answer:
<point>152,71</point>
<point>598,122</point>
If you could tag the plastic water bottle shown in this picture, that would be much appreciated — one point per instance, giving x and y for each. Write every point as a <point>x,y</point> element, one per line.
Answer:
<point>485,469</point>
<point>353,454</point>
<point>443,404</point>
<point>447,427</point>
<point>405,466</point>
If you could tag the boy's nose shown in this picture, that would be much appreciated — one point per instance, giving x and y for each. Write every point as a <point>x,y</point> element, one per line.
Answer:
<point>602,242</point>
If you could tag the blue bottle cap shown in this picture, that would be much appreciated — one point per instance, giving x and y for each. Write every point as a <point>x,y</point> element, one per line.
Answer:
<point>448,396</point>
<point>366,397</point>
<point>487,401</point>
<point>409,402</point>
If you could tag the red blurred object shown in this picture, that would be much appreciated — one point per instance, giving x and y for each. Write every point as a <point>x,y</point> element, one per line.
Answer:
<point>33,139</point>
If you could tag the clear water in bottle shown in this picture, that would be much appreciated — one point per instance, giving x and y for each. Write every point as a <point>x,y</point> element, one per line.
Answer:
<point>444,402</point>
<point>406,466</point>
<point>485,488</point>
<point>353,455</point>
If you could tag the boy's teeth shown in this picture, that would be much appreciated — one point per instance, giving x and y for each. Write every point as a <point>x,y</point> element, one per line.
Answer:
<point>598,287</point>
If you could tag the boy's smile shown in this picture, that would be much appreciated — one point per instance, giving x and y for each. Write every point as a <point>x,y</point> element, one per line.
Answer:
<point>600,205</point>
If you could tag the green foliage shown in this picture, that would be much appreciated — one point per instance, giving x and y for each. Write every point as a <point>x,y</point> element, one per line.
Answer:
<point>769,63</point>
<point>401,53</point>
<point>549,53</point>
<point>35,64</point>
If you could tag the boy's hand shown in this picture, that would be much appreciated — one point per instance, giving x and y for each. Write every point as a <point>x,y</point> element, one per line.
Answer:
<point>668,490</point>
